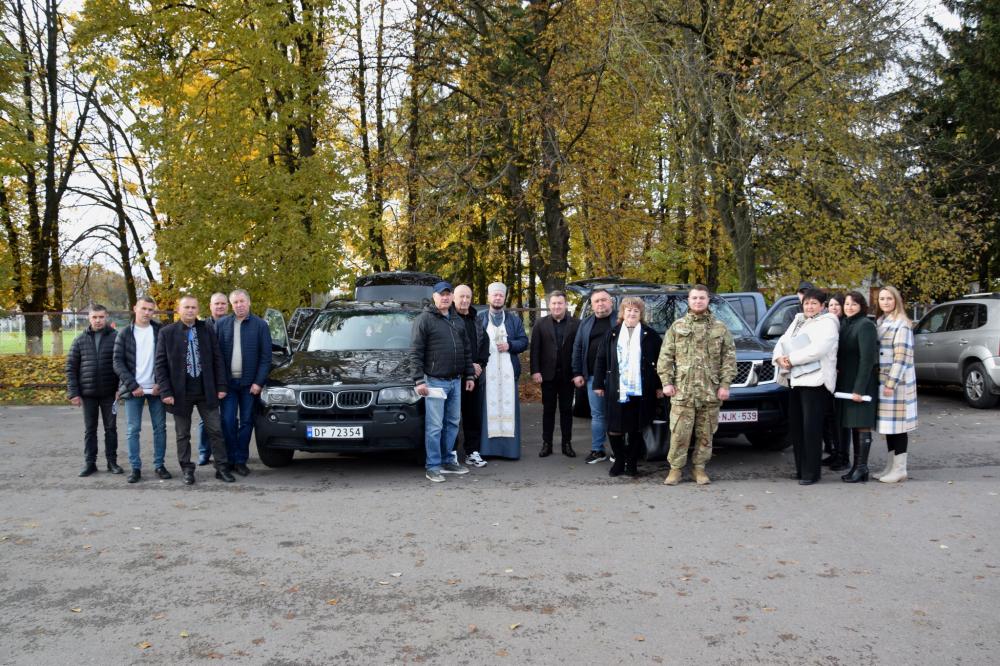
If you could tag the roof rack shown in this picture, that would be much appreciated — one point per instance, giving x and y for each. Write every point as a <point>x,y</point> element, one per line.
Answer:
<point>985,294</point>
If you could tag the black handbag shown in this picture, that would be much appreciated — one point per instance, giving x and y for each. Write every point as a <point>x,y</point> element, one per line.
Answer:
<point>657,434</point>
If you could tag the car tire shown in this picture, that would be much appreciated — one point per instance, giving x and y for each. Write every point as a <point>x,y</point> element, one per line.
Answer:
<point>769,440</point>
<point>977,387</point>
<point>272,457</point>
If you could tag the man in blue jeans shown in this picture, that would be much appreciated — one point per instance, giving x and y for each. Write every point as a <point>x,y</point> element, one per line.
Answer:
<point>134,361</point>
<point>218,307</point>
<point>592,331</point>
<point>245,341</point>
<point>442,362</point>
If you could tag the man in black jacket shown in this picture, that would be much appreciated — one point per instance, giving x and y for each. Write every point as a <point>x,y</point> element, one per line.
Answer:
<point>442,359</point>
<point>91,382</point>
<point>135,359</point>
<point>190,373</point>
<point>552,341</point>
<point>472,415</point>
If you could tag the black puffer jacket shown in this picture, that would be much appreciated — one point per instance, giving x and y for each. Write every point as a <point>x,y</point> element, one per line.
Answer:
<point>90,374</point>
<point>440,346</point>
<point>125,357</point>
<point>476,334</point>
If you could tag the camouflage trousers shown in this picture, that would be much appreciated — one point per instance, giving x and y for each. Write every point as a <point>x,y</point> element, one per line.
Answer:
<point>701,421</point>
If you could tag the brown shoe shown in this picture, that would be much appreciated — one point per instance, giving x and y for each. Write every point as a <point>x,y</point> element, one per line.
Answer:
<point>700,477</point>
<point>673,478</point>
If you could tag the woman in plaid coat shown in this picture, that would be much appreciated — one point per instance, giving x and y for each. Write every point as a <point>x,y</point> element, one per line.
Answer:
<point>897,407</point>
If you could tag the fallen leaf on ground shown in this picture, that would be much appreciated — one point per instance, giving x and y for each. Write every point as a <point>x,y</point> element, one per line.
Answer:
<point>396,575</point>
<point>454,581</point>
<point>258,641</point>
<point>508,571</point>
<point>160,616</point>
<point>515,626</point>
<point>86,546</point>
<point>184,634</point>
<point>293,589</point>
<point>640,638</point>
<point>76,610</point>
<point>332,602</point>
<point>769,609</point>
<point>383,582</point>
<point>145,645</point>
<point>501,653</point>
<point>98,514</point>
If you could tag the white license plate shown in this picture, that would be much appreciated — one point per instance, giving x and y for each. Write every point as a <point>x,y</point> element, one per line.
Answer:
<point>738,416</point>
<point>335,432</point>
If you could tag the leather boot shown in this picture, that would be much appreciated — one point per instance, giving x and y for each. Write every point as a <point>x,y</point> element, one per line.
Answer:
<point>898,471</point>
<point>859,473</point>
<point>567,450</point>
<point>618,449</point>
<point>632,451</point>
<point>843,445</point>
<point>856,448</point>
<point>546,450</point>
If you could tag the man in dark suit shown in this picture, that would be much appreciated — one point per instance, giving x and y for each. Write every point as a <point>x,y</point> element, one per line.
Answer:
<point>552,366</point>
<point>190,373</point>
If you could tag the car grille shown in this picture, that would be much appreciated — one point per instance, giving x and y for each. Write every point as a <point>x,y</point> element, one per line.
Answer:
<point>354,399</point>
<point>316,399</point>
<point>752,373</point>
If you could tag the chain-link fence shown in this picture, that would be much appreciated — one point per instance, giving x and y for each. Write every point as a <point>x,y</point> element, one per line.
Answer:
<point>14,330</point>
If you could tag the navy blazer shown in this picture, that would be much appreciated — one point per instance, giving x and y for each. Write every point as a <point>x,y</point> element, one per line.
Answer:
<point>255,343</point>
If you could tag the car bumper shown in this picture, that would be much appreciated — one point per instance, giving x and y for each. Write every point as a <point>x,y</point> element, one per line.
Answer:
<point>389,429</point>
<point>768,402</point>
<point>992,366</point>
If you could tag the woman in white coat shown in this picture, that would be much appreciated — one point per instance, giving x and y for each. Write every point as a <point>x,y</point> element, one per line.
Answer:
<point>806,356</point>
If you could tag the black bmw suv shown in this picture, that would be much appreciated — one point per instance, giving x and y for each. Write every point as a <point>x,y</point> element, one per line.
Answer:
<point>757,406</point>
<point>347,385</point>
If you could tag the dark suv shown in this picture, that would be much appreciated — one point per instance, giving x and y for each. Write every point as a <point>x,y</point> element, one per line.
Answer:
<point>347,386</point>
<point>757,406</point>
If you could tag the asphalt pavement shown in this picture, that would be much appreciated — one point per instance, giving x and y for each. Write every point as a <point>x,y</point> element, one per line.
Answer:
<point>339,560</point>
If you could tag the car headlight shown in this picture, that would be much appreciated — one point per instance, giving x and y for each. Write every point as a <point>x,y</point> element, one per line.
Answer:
<point>278,395</point>
<point>397,395</point>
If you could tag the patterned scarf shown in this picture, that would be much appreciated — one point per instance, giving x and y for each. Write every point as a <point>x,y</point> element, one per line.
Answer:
<point>629,363</point>
<point>192,362</point>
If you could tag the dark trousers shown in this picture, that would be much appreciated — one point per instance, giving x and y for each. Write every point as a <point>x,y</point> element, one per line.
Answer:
<point>472,418</point>
<point>807,407</point>
<point>560,391</point>
<point>213,428</point>
<point>107,407</point>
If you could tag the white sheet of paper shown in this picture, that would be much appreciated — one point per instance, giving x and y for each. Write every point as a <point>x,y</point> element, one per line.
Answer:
<point>847,396</point>
<point>436,392</point>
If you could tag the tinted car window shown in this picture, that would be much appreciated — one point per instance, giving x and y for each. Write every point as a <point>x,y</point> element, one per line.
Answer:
<point>725,313</point>
<point>353,331</point>
<point>663,309</point>
<point>981,315</point>
<point>963,317</point>
<point>934,321</point>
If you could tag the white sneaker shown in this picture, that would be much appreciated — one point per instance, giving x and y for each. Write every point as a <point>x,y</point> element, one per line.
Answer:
<point>475,460</point>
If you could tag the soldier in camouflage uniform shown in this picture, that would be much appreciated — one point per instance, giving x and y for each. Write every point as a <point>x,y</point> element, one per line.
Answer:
<point>697,363</point>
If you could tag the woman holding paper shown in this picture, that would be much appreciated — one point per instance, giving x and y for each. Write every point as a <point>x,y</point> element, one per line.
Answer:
<point>806,355</point>
<point>897,378</point>
<point>857,382</point>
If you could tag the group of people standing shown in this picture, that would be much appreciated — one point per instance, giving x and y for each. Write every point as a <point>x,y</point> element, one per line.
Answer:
<point>217,366</point>
<point>853,374</point>
<point>465,364</point>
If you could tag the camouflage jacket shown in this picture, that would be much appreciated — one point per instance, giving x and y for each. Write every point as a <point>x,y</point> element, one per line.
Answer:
<point>698,357</point>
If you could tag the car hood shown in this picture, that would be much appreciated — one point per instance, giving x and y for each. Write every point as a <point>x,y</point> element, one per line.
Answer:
<point>352,368</point>
<point>753,347</point>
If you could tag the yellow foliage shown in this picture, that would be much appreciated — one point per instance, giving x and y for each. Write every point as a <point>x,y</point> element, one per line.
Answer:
<point>36,380</point>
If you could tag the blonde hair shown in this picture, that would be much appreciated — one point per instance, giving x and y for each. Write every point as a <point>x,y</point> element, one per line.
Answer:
<point>632,302</point>
<point>899,312</point>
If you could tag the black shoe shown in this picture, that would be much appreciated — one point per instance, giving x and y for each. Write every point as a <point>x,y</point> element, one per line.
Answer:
<point>830,460</point>
<point>115,468</point>
<point>88,469</point>
<point>546,450</point>
<point>840,465</point>
<point>189,477</point>
<point>204,460</point>
<point>241,469</point>
<point>631,468</point>
<point>224,475</point>
<point>163,473</point>
<point>596,457</point>
<point>134,476</point>
<point>568,451</point>
<point>617,467</point>
<point>807,482</point>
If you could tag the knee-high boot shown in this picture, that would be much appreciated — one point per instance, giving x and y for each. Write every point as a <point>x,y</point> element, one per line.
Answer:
<point>618,449</point>
<point>632,451</point>
<point>856,447</point>
<point>859,473</point>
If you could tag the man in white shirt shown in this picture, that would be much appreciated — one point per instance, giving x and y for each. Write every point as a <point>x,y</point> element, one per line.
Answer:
<point>135,352</point>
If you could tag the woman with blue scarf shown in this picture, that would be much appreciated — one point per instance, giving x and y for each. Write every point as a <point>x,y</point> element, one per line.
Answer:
<point>625,375</point>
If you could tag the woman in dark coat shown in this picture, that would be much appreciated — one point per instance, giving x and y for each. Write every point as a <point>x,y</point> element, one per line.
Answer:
<point>625,375</point>
<point>857,374</point>
<point>836,440</point>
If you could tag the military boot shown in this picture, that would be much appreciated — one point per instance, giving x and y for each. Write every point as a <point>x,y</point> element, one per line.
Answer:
<point>673,478</point>
<point>700,477</point>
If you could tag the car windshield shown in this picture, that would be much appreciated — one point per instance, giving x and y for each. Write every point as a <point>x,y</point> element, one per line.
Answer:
<point>725,313</point>
<point>355,331</point>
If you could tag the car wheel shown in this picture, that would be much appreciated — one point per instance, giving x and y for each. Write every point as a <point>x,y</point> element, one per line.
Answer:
<point>273,457</point>
<point>977,387</point>
<point>769,440</point>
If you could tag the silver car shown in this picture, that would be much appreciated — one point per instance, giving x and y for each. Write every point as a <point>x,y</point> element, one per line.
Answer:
<point>958,342</point>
